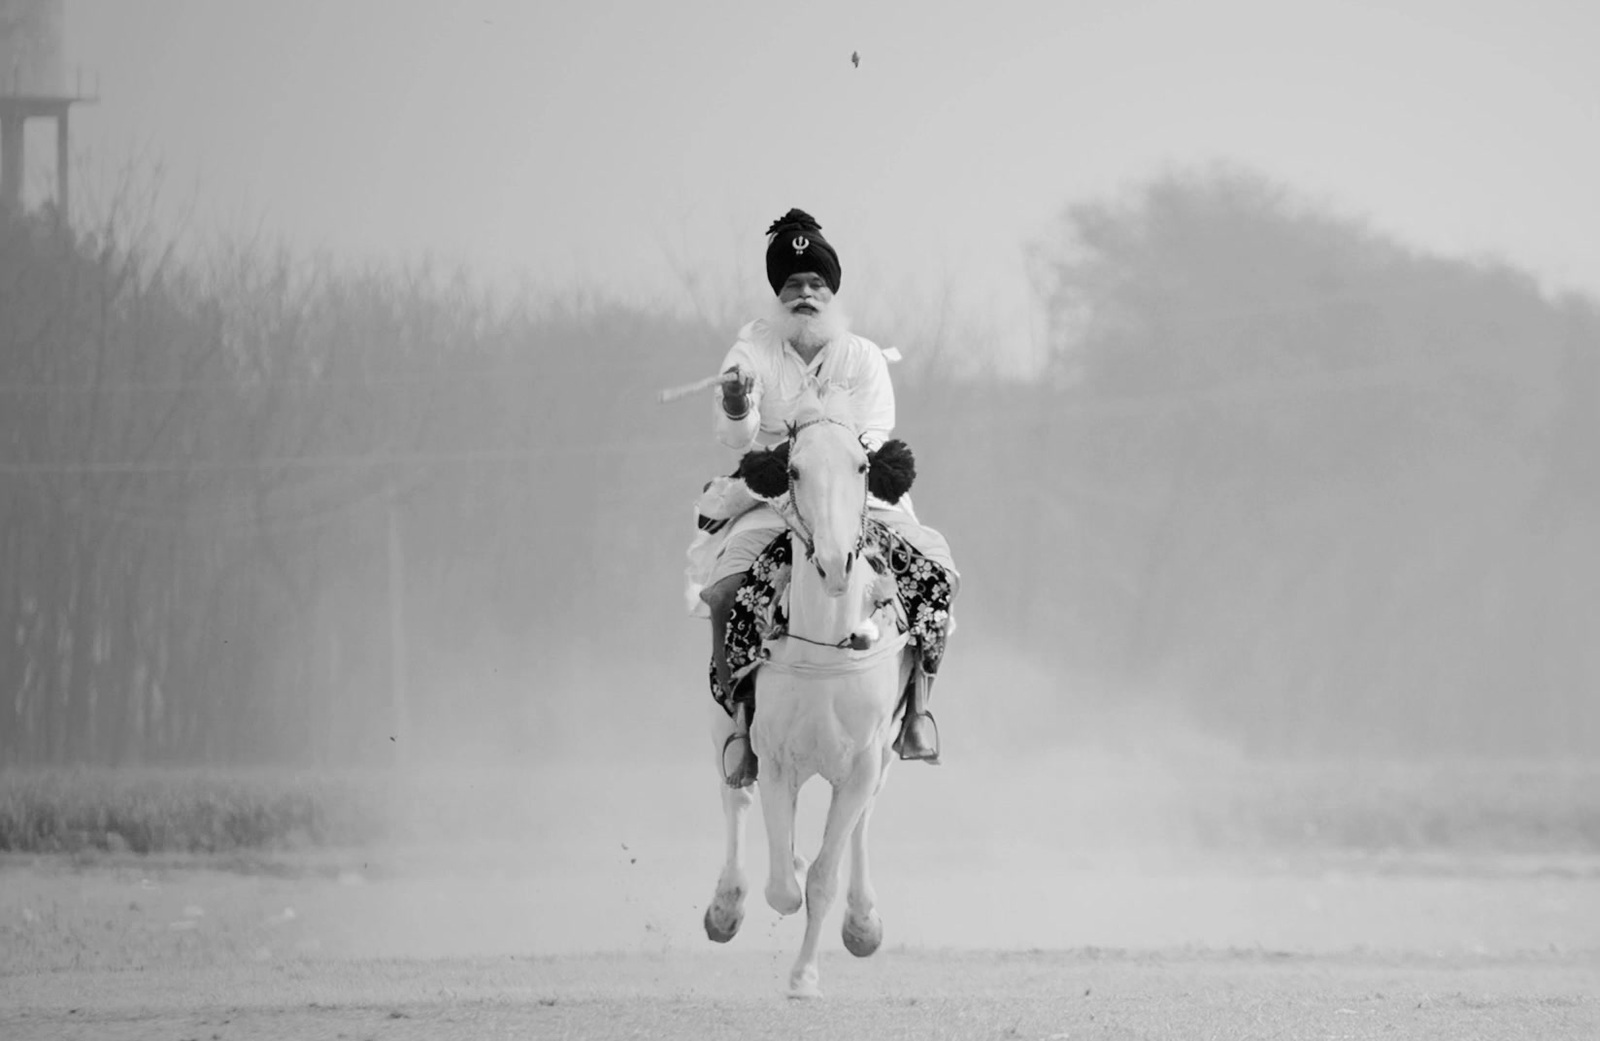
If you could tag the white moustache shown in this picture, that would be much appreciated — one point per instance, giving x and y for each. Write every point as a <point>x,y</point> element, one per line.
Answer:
<point>810,322</point>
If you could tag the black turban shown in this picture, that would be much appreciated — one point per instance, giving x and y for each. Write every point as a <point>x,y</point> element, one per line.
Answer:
<point>796,245</point>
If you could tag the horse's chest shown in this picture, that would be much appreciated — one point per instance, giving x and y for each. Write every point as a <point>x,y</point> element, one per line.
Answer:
<point>810,732</point>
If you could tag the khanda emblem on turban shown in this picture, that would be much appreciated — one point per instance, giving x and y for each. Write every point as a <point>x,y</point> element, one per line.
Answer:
<point>800,244</point>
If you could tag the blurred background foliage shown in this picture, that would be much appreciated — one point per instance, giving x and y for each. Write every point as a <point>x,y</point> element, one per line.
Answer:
<point>1278,476</point>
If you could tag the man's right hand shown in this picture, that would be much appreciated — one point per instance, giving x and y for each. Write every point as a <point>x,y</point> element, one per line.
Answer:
<point>736,385</point>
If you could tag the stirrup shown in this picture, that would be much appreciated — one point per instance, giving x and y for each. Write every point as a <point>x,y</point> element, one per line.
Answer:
<point>743,775</point>
<point>899,741</point>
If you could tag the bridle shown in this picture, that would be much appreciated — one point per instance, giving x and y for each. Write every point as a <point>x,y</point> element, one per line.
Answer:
<point>797,521</point>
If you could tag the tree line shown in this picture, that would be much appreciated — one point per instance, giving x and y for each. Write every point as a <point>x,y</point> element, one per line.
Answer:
<point>1280,475</point>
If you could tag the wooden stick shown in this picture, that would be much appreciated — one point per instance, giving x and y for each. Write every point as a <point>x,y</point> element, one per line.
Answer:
<point>674,393</point>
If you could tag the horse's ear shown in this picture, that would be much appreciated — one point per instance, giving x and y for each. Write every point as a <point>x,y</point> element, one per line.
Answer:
<point>892,471</point>
<point>766,471</point>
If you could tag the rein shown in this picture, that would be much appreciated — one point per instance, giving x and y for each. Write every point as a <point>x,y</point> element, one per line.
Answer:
<point>846,644</point>
<point>892,644</point>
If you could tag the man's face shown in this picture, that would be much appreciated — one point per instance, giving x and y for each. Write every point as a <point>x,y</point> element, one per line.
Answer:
<point>805,293</point>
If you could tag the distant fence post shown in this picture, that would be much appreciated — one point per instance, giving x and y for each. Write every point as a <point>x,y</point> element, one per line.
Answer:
<point>399,719</point>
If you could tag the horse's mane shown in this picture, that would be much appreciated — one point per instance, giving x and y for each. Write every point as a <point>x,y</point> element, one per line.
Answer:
<point>829,401</point>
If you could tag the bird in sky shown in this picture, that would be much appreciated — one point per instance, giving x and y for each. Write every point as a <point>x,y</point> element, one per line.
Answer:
<point>855,58</point>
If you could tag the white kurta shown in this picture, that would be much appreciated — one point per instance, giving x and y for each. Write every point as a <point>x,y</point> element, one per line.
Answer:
<point>850,361</point>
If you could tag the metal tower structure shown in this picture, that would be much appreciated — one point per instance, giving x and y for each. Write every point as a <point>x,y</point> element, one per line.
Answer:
<point>32,87</point>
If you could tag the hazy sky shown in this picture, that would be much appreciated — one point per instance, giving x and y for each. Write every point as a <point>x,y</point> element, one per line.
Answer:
<point>639,144</point>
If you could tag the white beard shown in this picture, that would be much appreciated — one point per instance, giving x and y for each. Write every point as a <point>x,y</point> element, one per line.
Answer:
<point>809,331</point>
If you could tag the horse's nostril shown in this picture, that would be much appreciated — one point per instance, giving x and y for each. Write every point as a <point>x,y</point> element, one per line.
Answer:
<point>849,562</point>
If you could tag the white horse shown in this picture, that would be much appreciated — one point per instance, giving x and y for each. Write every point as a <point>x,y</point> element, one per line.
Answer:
<point>822,708</point>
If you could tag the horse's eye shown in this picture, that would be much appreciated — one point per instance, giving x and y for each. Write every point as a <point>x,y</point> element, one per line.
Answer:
<point>861,469</point>
<point>794,475</point>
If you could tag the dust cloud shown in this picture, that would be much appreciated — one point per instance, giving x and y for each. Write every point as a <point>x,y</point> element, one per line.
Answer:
<point>1105,828</point>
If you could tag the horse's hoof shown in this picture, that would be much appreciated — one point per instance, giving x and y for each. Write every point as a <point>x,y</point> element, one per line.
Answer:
<point>785,903</point>
<point>720,935</point>
<point>803,986</point>
<point>863,935</point>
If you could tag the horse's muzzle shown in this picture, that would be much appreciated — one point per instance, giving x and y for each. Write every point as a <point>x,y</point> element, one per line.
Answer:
<point>835,578</point>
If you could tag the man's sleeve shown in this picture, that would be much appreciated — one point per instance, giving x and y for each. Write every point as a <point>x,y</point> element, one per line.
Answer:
<point>738,434</point>
<point>874,393</point>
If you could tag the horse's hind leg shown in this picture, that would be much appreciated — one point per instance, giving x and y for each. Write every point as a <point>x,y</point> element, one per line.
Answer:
<point>822,881</point>
<point>725,913</point>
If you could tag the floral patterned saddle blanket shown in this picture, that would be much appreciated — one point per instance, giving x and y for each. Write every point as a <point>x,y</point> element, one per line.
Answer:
<point>915,590</point>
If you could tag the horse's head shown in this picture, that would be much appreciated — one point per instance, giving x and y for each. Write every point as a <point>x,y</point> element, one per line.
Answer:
<point>828,485</point>
<point>825,470</point>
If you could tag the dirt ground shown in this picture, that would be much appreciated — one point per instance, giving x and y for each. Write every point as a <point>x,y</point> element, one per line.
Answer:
<point>897,994</point>
<point>601,940</point>
<point>1033,904</point>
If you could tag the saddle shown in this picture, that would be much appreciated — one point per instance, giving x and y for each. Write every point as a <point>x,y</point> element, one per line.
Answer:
<point>912,595</point>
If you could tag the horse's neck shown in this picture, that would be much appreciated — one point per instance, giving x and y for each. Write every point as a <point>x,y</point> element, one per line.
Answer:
<point>817,616</point>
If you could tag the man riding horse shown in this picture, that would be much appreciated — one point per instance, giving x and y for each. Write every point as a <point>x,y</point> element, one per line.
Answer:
<point>805,341</point>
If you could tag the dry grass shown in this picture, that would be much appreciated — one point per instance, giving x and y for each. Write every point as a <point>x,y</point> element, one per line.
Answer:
<point>1366,807</point>
<point>1460,806</point>
<point>173,811</point>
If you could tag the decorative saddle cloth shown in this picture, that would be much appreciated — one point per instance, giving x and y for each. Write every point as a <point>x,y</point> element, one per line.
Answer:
<point>922,588</point>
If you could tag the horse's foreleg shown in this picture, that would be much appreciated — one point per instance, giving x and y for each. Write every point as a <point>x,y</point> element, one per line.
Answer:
<point>780,790</point>
<point>850,799</point>
<point>863,929</point>
<point>725,913</point>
